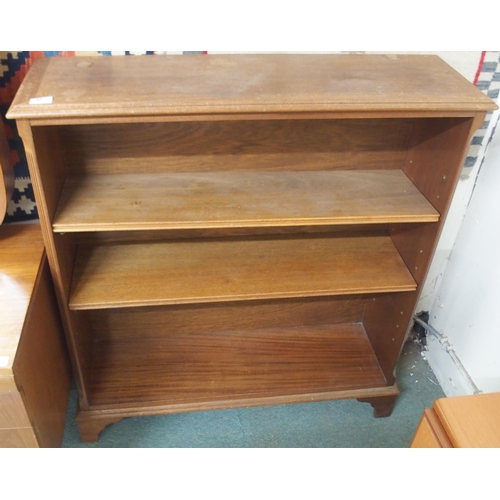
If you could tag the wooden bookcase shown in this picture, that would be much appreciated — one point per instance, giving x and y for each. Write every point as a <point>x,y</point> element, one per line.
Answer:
<point>240,230</point>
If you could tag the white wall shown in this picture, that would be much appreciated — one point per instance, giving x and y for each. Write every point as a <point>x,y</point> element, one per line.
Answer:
<point>465,63</point>
<point>467,305</point>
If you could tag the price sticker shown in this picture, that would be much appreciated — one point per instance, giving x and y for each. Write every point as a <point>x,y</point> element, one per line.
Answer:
<point>42,100</point>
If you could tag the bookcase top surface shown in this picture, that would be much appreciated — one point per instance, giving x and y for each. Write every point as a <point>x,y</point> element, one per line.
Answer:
<point>127,86</point>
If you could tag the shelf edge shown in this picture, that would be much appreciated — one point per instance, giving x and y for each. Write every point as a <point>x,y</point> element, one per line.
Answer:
<point>140,409</point>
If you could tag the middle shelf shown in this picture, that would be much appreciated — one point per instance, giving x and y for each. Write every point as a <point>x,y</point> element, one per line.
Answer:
<point>205,270</point>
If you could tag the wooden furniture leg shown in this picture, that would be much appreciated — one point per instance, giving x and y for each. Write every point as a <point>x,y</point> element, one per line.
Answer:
<point>382,406</point>
<point>90,426</point>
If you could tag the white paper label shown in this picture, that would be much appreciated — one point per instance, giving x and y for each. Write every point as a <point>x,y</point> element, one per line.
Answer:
<point>4,361</point>
<point>42,100</point>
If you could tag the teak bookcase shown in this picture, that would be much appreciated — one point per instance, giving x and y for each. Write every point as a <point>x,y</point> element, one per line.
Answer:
<point>240,230</point>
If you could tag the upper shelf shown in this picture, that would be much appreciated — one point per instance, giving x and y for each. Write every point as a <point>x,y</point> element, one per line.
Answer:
<point>119,202</point>
<point>86,87</point>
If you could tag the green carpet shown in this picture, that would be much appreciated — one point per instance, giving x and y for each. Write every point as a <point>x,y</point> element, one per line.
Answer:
<point>332,424</point>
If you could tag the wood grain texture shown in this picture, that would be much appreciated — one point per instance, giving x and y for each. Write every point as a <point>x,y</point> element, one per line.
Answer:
<point>254,317</point>
<point>96,238</point>
<point>443,144</point>
<point>382,406</point>
<point>91,422</point>
<point>188,368</point>
<point>47,175</point>
<point>42,364</point>
<point>129,323</point>
<point>235,269</point>
<point>12,411</point>
<point>239,199</point>
<point>44,156</point>
<point>430,432</point>
<point>34,385</point>
<point>62,121</point>
<point>251,145</point>
<point>18,438</point>
<point>471,421</point>
<point>7,384</point>
<point>21,250</point>
<point>169,85</point>
<point>386,320</point>
<point>416,243</point>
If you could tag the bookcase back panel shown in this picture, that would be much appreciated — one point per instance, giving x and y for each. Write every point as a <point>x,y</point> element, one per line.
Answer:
<point>96,238</point>
<point>236,145</point>
<point>133,323</point>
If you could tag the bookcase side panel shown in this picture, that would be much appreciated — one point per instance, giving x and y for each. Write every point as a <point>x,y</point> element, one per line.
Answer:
<point>46,165</point>
<point>433,163</point>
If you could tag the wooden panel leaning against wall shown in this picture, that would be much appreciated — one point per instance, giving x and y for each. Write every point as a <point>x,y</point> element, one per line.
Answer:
<point>34,367</point>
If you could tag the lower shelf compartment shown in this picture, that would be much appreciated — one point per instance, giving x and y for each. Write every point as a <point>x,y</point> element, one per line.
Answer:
<point>182,370</point>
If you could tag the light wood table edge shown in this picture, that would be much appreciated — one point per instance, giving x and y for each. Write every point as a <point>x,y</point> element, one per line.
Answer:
<point>430,432</point>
